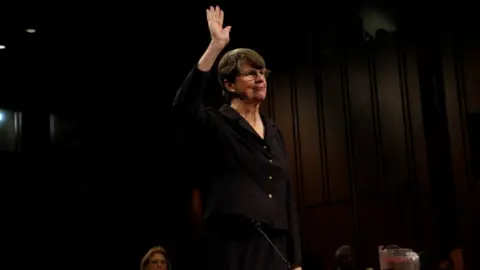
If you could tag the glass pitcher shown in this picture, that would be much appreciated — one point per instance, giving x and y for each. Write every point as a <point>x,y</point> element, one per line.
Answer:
<point>396,258</point>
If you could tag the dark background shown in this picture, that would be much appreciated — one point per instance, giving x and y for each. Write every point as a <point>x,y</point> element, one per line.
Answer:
<point>383,134</point>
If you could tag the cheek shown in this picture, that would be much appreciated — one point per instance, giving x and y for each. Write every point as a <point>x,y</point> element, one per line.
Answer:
<point>248,89</point>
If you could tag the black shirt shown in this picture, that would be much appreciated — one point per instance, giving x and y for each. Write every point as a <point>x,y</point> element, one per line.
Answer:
<point>248,175</point>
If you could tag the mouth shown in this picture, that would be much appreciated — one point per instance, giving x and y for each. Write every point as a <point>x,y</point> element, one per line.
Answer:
<point>259,87</point>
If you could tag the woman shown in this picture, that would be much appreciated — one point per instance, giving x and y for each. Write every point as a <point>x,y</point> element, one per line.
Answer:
<point>249,185</point>
<point>155,259</point>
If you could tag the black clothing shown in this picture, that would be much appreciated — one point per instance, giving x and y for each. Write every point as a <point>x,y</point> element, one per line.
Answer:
<point>232,243</point>
<point>248,175</point>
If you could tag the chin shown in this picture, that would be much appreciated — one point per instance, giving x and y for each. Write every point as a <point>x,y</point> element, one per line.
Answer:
<point>260,96</point>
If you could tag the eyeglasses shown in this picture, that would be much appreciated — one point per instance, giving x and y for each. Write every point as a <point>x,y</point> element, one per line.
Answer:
<point>254,73</point>
<point>158,262</point>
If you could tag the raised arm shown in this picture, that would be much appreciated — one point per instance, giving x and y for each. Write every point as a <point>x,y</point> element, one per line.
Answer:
<point>189,98</point>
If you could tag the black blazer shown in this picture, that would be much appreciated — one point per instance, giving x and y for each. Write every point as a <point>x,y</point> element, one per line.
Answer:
<point>248,175</point>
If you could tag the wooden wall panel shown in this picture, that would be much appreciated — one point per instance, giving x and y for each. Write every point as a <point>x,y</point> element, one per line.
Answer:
<point>284,113</point>
<point>417,145</point>
<point>386,221</point>
<point>314,192</point>
<point>366,154</point>
<point>455,106</point>
<point>471,70</point>
<point>418,159</point>
<point>327,228</point>
<point>391,120</point>
<point>334,129</point>
<point>460,69</point>
<point>353,125</point>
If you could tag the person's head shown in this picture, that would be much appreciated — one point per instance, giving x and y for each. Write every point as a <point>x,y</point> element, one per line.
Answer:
<point>155,259</point>
<point>242,74</point>
<point>344,258</point>
<point>446,263</point>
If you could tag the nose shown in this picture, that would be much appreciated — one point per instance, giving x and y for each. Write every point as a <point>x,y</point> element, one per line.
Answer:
<point>259,77</point>
<point>259,80</point>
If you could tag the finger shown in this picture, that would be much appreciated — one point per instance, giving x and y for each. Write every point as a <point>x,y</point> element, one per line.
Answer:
<point>211,12</point>
<point>210,15</point>
<point>221,18</point>
<point>217,13</point>
<point>228,28</point>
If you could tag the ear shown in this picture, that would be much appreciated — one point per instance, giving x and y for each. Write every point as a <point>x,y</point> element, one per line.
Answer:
<point>229,85</point>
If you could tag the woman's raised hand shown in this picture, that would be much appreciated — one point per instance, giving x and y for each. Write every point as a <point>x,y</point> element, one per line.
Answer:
<point>220,35</point>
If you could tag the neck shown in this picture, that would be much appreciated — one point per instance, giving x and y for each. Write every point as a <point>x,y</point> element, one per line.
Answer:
<point>249,110</point>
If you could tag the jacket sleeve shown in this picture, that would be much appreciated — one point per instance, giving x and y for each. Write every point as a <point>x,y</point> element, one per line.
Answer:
<point>188,100</point>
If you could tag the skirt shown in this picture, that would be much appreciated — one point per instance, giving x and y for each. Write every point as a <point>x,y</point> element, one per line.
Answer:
<point>234,243</point>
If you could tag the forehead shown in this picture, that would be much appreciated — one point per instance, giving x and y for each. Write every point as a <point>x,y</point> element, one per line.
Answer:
<point>246,65</point>
<point>157,256</point>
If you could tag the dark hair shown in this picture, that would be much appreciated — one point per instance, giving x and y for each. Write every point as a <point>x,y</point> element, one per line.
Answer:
<point>146,259</point>
<point>344,257</point>
<point>230,66</point>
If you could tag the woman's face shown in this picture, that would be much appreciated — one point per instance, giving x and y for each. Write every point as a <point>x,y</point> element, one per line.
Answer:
<point>251,84</point>
<point>157,262</point>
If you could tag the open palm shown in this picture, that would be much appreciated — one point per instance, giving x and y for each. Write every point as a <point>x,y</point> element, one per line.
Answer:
<point>215,25</point>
